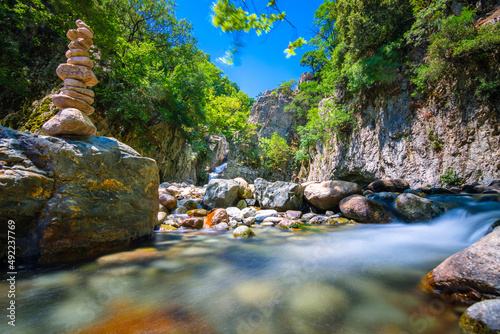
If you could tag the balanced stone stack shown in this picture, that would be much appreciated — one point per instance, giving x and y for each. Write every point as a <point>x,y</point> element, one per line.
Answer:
<point>74,98</point>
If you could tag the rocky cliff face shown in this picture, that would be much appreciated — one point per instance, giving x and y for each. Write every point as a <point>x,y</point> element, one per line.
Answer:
<point>269,116</point>
<point>399,137</point>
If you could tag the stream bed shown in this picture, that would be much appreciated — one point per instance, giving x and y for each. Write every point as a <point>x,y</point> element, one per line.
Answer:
<point>322,279</point>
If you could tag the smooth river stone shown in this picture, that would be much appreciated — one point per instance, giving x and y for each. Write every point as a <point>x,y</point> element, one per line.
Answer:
<point>83,91</point>
<point>80,43</point>
<point>81,24</point>
<point>77,72</point>
<point>69,121</point>
<point>85,31</point>
<point>84,61</point>
<point>76,95</point>
<point>74,83</point>
<point>76,53</point>
<point>64,101</point>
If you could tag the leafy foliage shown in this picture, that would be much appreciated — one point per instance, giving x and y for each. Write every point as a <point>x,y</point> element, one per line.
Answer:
<point>147,61</point>
<point>451,178</point>
<point>275,151</point>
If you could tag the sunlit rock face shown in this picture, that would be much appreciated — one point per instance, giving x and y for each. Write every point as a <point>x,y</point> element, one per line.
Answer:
<point>75,199</point>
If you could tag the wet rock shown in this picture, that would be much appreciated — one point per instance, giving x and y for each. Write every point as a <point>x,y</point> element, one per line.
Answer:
<point>309,215</point>
<point>243,232</point>
<point>383,196</point>
<point>181,209</point>
<point>368,193</point>
<point>191,205</point>
<point>470,275</point>
<point>194,223</point>
<point>263,214</point>
<point>316,220</point>
<point>249,221</point>
<point>197,213</point>
<point>393,185</point>
<point>417,209</point>
<point>138,255</point>
<point>278,195</point>
<point>170,202</point>
<point>327,195</point>
<point>161,217</point>
<point>249,212</point>
<point>235,213</point>
<point>293,214</point>
<point>288,224</point>
<point>245,191</point>
<point>365,210</point>
<point>216,217</point>
<point>221,193</point>
<point>167,228</point>
<point>273,220</point>
<point>241,204</point>
<point>222,226</point>
<point>482,318</point>
<point>97,195</point>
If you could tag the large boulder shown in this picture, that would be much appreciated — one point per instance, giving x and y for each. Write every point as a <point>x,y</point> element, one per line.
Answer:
<point>74,200</point>
<point>279,195</point>
<point>482,318</point>
<point>246,190</point>
<point>393,185</point>
<point>328,194</point>
<point>470,275</point>
<point>221,193</point>
<point>414,208</point>
<point>365,210</point>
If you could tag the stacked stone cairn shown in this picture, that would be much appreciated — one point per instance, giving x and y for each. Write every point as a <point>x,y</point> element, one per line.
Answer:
<point>75,99</point>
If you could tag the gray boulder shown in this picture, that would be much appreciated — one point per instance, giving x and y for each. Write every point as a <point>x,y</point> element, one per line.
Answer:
<point>327,195</point>
<point>74,200</point>
<point>482,318</point>
<point>470,275</point>
<point>279,195</point>
<point>414,208</point>
<point>365,210</point>
<point>221,193</point>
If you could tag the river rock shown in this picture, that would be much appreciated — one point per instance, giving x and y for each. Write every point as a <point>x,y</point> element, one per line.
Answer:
<point>69,121</point>
<point>327,195</point>
<point>64,101</point>
<point>194,223</point>
<point>74,200</point>
<point>393,185</point>
<point>83,61</point>
<point>249,212</point>
<point>170,202</point>
<point>293,214</point>
<point>221,193</point>
<point>245,190</point>
<point>76,53</point>
<point>216,217</point>
<point>482,318</point>
<point>222,226</point>
<point>72,93</point>
<point>470,275</point>
<point>235,213</point>
<point>365,210</point>
<point>263,214</point>
<point>278,195</point>
<point>243,232</point>
<point>241,204</point>
<point>414,208</point>
<point>77,72</point>
<point>197,213</point>
<point>249,221</point>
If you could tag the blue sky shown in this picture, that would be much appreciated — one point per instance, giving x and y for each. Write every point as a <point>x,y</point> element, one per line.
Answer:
<point>263,64</point>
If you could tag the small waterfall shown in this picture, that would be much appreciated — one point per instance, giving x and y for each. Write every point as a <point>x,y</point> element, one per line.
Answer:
<point>218,170</point>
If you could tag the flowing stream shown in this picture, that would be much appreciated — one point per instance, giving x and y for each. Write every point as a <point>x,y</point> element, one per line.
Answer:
<point>350,279</point>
